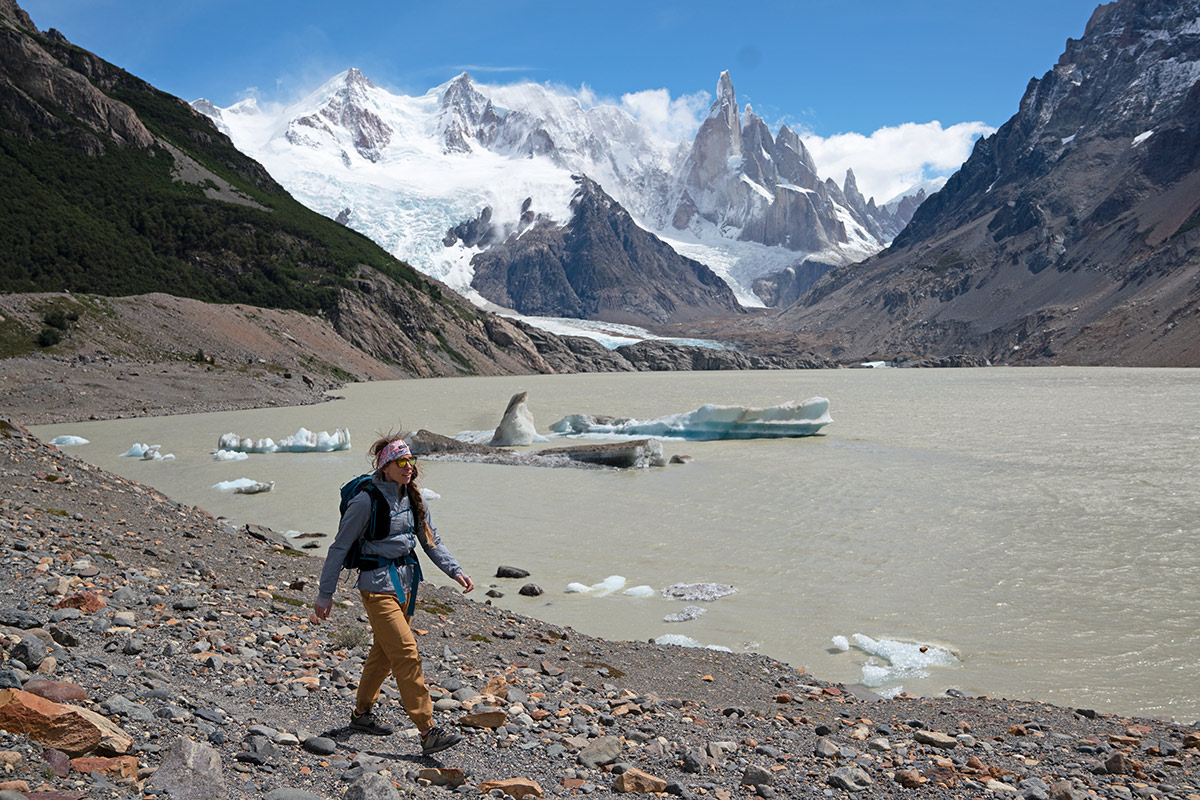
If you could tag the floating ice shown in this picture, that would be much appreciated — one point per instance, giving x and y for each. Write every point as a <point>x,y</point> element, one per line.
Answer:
<point>709,422</point>
<point>639,591</point>
<point>689,613</point>
<point>302,441</point>
<point>602,589</point>
<point>899,660</point>
<point>430,494</point>
<point>230,455</point>
<point>687,641</point>
<point>255,488</point>
<point>62,441</point>
<point>147,452</point>
<point>841,643</point>
<point>229,486</point>
<point>704,592</point>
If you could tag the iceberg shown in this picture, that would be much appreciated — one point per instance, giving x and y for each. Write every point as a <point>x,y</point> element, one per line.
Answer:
<point>302,441</point>
<point>689,613</point>
<point>709,422</point>
<point>230,455</point>
<point>639,591</point>
<point>233,486</point>
<point>147,452</point>
<point>891,660</point>
<point>62,441</point>
<point>687,641</point>
<point>604,588</point>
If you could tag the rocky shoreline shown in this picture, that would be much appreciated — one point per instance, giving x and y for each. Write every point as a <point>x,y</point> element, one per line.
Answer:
<point>188,651</point>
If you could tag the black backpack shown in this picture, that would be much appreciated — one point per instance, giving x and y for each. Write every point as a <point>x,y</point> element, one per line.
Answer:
<point>378,528</point>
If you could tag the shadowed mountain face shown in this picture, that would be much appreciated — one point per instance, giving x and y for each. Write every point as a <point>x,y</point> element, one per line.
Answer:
<point>1071,235</point>
<point>600,265</point>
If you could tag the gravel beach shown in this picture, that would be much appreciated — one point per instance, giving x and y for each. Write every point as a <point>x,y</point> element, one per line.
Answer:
<point>149,650</point>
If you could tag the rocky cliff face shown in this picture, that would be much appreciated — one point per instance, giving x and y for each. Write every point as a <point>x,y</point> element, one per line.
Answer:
<point>600,265</point>
<point>1071,234</point>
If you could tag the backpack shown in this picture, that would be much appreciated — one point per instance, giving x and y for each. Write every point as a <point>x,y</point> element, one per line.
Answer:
<point>379,526</point>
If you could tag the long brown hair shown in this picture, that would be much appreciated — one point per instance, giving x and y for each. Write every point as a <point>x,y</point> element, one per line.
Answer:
<point>415,501</point>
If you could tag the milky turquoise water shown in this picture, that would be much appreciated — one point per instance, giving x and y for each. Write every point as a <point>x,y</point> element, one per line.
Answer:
<point>1037,529</point>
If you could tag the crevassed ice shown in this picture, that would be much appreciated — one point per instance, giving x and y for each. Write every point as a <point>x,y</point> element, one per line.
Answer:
<point>302,441</point>
<point>687,641</point>
<point>899,660</point>
<point>709,422</point>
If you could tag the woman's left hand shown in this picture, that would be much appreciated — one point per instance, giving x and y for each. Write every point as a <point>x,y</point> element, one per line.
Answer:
<point>464,580</point>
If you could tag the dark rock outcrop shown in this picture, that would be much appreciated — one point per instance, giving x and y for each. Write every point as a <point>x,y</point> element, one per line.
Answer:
<point>600,265</point>
<point>1070,235</point>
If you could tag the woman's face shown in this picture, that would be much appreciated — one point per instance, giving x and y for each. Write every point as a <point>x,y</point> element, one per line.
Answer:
<point>399,471</point>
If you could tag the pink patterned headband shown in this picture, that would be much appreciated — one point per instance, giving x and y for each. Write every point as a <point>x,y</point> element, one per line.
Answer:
<point>394,449</point>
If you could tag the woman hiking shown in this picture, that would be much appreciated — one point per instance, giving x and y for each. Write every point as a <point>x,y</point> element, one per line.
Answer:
<point>387,579</point>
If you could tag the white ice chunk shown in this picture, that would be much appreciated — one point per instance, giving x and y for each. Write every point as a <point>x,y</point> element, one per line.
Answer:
<point>137,450</point>
<point>1141,137</point>
<point>687,641</point>
<point>230,455</point>
<point>516,426</point>
<point>430,494</point>
<point>229,486</point>
<point>899,660</point>
<point>609,585</point>
<point>66,439</point>
<point>709,422</point>
<point>302,441</point>
<point>639,591</point>
<point>841,643</point>
<point>577,588</point>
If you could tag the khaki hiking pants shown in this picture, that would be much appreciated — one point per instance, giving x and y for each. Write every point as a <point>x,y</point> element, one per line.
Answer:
<point>394,650</point>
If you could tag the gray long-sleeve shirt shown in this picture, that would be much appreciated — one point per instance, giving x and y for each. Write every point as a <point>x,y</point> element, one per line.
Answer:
<point>398,543</point>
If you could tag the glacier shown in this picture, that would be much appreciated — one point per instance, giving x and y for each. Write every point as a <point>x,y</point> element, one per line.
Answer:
<point>709,422</point>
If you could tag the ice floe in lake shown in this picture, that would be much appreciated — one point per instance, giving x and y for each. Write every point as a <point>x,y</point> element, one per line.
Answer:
<point>240,483</point>
<point>841,643</point>
<point>147,452</point>
<point>891,661</point>
<point>689,613</point>
<point>709,422</point>
<point>704,592</point>
<point>687,641</point>
<point>302,441</point>
<point>613,583</point>
<point>230,455</point>
<point>62,441</point>
<point>639,591</point>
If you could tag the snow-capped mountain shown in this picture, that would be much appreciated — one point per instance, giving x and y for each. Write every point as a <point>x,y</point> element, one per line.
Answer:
<point>410,171</point>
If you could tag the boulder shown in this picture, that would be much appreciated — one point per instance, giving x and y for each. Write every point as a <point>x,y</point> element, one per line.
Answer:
<point>371,786</point>
<point>516,427</point>
<point>598,752</point>
<point>936,739</point>
<point>190,771</point>
<point>116,766</point>
<point>74,730</point>
<point>57,691</point>
<point>443,776</point>
<point>851,779</point>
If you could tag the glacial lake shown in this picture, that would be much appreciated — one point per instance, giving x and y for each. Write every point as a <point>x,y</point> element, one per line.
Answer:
<point>1036,531</point>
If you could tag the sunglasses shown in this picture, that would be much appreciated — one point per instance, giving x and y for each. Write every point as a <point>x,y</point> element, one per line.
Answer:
<point>404,462</point>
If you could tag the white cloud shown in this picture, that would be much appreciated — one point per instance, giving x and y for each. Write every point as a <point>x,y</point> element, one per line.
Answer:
<point>892,159</point>
<point>670,119</point>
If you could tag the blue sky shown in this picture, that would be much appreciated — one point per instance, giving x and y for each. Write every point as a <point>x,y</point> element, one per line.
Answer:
<point>827,68</point>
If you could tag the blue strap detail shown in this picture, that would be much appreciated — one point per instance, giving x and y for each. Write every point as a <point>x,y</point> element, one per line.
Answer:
<point>417,577</point>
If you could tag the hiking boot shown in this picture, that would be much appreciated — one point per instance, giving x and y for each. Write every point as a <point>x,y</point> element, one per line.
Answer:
<point>437,739</point>
<point>369,723</point>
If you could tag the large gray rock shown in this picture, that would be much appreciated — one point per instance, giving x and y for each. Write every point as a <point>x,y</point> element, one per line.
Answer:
<point>850,778</point>
<point>372,786</point>
<point>598,752</point>
<point>190,771</point>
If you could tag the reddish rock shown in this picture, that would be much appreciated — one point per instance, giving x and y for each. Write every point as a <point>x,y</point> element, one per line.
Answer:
<point>498,687</point>
<point>634,781</point>
<point>783,698</point>
<point>118,766</point>
<point>1018,730</point>
<point>516,787</point>
<point>444,776</point>
<point>1192,740</point>
<point>57,691</point>
<point>74,730</point>
<point>87,602</point>
<point>484,719</point>
<point>910,778</point>
<point>15,786</point>
<point>1120,764</point>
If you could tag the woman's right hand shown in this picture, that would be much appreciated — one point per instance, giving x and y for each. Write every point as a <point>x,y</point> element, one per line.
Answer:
<point>321,609</point>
